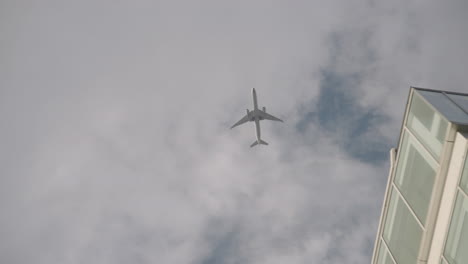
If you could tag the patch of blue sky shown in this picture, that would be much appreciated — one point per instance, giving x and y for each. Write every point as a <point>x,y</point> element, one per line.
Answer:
<point>354,127</point>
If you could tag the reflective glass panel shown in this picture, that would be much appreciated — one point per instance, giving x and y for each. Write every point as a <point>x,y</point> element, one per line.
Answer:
<point>456,249</point>
<point>427,125</point>
<point>402,232</point>
<point>464,179</point>
<point>384,256</point>
<point>444,106</point>
<point>415,176</point>
<point>460,100</point>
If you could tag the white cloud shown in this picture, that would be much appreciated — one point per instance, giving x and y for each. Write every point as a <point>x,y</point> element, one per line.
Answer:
<point>115,116</point>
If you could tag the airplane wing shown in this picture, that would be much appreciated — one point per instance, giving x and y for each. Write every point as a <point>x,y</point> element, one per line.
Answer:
<point>242,121</point>
<point>264,115</point>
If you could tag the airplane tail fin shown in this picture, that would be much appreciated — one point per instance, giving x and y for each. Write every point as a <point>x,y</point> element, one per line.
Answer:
<point>256,143</point>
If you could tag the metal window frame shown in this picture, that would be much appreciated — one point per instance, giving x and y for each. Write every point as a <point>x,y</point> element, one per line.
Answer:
<point>442,168</point>
<point>454,200</point>
<point>449,189</point>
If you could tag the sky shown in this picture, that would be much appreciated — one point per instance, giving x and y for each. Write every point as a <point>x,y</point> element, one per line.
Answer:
<point>115,116</point>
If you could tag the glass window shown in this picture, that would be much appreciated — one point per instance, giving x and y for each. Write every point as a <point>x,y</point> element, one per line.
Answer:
<point>445,106</point>
<point>384,256</point>
<point>464,180</point>
<point>402,232</point>
<point>427,125</point>
<point>460,100</point>
<point>456,249</point>
<point>415,176</point>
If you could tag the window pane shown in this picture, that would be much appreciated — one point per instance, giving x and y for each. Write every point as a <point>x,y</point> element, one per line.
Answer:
<point>415,176</point>
<point>384,256</point>
<point>460,100</point>
<point>445,106</point>
<point>456,250</point>
<point>402,232</point>
<point>428,125</point>
<point>464,180</point>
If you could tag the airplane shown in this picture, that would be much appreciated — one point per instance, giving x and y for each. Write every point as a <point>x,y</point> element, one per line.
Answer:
<point>256,115</point>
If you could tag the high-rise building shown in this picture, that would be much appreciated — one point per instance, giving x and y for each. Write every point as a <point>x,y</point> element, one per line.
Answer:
<point>424,216</point>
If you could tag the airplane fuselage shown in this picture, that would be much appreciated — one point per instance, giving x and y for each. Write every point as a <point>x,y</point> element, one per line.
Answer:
<point>254,96</point>
<point>256,118</point>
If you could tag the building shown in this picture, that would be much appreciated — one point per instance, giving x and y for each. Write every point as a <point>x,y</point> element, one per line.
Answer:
<point>424,216</point>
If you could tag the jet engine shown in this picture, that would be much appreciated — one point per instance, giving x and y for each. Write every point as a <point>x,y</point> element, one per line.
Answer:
<point>264,109</point>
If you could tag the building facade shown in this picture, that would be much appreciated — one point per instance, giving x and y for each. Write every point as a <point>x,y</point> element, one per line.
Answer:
<point>424,216</point>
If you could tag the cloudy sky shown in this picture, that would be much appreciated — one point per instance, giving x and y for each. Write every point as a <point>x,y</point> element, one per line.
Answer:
<point>115,116</point>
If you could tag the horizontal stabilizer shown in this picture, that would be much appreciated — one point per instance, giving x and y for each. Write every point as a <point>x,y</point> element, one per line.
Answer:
<point>256,143</point>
